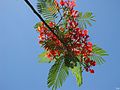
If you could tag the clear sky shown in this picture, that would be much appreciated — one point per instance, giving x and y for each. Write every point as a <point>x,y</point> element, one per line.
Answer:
<point>19,48</point>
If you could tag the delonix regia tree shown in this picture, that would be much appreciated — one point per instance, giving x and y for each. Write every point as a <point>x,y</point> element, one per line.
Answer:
<point>63,35</point>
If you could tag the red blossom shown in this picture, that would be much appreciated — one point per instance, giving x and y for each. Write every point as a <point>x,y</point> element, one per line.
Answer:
<point>51,24</point>
<point>62,2</point>
<point>48,55</point>
<point>74,13</point>
<point>85,32</point>
<point>92,71</point>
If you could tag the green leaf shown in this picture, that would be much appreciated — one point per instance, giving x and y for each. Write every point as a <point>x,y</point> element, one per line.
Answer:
<point>48,9</point>
<point>97,59</point>
<point>57,74</point>
<point>37,25</point>
<point>99,51</point>
<point>43,58</point>
<point>97,54</point>
<point>85,19</point>
<point>77,72</point>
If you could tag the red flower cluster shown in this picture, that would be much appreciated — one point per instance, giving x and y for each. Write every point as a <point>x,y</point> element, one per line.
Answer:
<point>68,4</point>
<point>75,38</point>
<point>48,39</point>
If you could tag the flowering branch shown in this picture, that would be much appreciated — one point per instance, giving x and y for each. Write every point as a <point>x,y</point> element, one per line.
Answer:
<point>67,41</point>
<point>39,16</point>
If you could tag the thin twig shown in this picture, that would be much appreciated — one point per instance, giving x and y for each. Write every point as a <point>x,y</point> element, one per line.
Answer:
<point>60,16</point>
<point>59,20</point>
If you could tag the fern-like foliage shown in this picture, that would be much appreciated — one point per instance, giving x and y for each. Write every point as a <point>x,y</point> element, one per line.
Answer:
<point>97,59</point>
<point>43,58</point>
<point>97,54</point>
<point>77,72</point>
<point>57,74</point>
<point>48,9</point>
<point>99,51</point>
<point>85,19</point>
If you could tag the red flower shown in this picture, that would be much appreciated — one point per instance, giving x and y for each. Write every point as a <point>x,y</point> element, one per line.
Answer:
<point>86,69</point>
<point>89,48</point>
<point>51,24</point>
<point>87,61</point>
<point>79,45</point>
<point>61,29</point>
<point>53,52</point>
<point>76,51</point>
<point>92,71</point>
<point>41,37</point>
<point>73,24</point>
<point>77,29</point>
<point>74,13</point>
<point>48,55</point>
<point>71,4</point>
<point>85,32</point>
<point>62,2</point>
<point>89,44</point>
<point>38,29</point>
<point>93,63</point>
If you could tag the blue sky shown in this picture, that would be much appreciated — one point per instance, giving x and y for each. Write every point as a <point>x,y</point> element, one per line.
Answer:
<point>19,48</point>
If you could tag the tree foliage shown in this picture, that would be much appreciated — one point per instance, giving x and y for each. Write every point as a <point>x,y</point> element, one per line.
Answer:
<point>66,41</point>
<point>85,19</point>
<point>58,74</point>
<point>97,54</point>
<point>48,9</point>
<point>77,72</point>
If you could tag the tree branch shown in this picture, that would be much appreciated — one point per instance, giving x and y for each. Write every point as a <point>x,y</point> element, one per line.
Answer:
<point>39,16</point>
